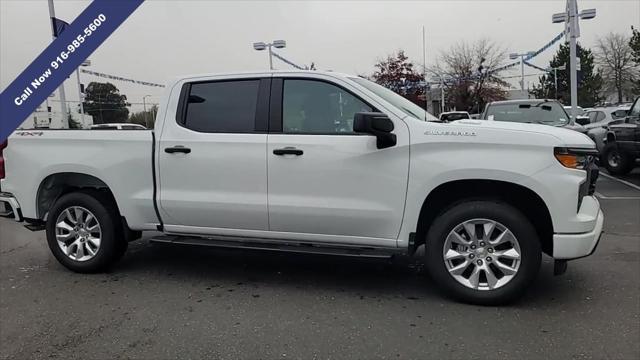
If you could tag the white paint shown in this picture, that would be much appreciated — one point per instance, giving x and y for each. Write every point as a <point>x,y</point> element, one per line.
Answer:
<point>342,190</point>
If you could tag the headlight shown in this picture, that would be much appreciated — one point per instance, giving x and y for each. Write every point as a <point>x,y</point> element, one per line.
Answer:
<point>573,158</point>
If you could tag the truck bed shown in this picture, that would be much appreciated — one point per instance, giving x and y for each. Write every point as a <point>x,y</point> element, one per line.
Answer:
<point>122,159</point>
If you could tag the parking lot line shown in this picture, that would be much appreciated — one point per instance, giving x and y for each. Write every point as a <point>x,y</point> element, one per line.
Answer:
<point>621,181</point>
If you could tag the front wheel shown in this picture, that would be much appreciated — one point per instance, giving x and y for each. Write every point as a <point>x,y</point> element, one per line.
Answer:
<point>617,162</point>
<point>483,252</point>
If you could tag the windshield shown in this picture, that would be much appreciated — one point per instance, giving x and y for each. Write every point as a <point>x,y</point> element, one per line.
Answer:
<point>396,100</point>
<point>548,113</point>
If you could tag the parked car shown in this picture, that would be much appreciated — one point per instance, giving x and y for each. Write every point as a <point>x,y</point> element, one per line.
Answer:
<point>316,162</point>
<point>118,126</point>
<point>453,116</point>
<point>533,111</point>
<point>622,149</point>
<point>603,116</point>
<point>599,119</point>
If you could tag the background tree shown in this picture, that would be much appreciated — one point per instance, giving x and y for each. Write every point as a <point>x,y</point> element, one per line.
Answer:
<point>465,69</point>
<point>104,102</point>
<point>397,73</point>
<point>616,59</point>
<point>589,80</point>
<point>145,118</point>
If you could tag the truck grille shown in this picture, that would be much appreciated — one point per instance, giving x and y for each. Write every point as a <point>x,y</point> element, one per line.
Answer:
<point>588,187</point>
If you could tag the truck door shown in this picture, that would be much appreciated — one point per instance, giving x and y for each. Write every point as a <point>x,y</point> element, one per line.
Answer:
<point>212,166</point>
<point>325,180</point>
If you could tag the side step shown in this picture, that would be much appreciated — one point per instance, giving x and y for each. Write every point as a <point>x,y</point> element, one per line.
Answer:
<point>279,245</point>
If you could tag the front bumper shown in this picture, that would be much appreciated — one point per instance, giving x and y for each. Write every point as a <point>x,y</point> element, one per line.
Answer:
<point>11,206</point>
<point>573,246</point>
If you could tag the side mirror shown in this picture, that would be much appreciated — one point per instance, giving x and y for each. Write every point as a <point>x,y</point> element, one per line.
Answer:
<point>376,124</point>
<point>582,120</point>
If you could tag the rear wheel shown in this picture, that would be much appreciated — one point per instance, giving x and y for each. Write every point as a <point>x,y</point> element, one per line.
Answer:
<point>84,231</point>
<point>617,162</point>
<point>483,252</point>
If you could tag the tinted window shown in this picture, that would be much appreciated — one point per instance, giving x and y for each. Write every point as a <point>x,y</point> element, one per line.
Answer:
<point>317,107</point>
<point>224,106</point>
<point>600,116</point>
<point>619,114</point>
<point>635,110</point>
<point>550,113</point>
<point>592,116</point>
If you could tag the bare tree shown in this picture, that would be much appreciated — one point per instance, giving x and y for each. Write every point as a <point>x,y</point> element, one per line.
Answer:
<point>615,58</point>
<point>469,79</point>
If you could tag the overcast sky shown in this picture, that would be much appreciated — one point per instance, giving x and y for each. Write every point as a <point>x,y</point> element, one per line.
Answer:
<point>164,39</point>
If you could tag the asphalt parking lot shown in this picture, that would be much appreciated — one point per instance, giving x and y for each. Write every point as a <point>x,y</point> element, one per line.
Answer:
<point>167,301</point>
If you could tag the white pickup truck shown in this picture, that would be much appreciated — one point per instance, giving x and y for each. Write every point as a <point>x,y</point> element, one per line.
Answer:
<point>314,162</point>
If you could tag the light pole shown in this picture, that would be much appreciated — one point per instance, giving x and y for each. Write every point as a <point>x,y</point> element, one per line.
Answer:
<point>64,122</point>
<point>572,31</point>
<point>278,44</point>
<point>84,63</point>
<point>514,56</point>
<point>555,76</point>
<point>144,106</point>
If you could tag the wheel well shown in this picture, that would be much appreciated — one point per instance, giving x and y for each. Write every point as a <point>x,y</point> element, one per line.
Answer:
<point>520,197</point>
<point>56,185</point>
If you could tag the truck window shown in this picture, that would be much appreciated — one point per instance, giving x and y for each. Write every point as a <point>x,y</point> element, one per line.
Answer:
<point>222,106</point>
<point>318,107</point>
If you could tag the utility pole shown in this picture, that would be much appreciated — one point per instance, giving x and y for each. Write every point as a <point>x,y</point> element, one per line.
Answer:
<point>424,71</point>
<point>64,122</point>
<point>441,94</point>
<point>144,107</point>
<point>572,31</point>
<point>522,56</point>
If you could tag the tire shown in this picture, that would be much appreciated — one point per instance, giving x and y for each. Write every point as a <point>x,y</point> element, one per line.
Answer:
<point>84,255</point>
<point>476,214</point>
<point>615,161</point>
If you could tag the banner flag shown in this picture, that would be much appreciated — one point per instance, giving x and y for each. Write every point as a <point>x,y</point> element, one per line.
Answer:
<point>113,77</point>
<point>535,66</point>
<point>61,58</point>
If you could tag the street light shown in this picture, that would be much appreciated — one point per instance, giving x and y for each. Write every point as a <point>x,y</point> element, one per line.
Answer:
<point>514,56</point>
<point>80,97</point>
<point>555,76</point>
<point>278,44</point>
<point>144,107</point>
<point>572,31</point>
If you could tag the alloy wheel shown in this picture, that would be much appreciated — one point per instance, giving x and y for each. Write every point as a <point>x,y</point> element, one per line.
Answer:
<point>78,233</point>
<point>482,254</point>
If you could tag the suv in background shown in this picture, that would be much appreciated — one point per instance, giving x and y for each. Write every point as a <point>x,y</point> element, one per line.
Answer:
<point>532,111</point>
<point>622,148</point>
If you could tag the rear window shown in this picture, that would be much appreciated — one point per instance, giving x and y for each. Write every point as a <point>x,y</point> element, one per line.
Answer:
<point>222,106</point>
<point>549,113</point>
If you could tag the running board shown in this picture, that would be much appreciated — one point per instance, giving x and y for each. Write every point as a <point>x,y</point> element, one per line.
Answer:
<point>279,245</point>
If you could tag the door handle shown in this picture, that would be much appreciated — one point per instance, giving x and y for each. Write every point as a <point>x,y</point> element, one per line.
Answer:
<point>288,151</point>
<point>177,149</point>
